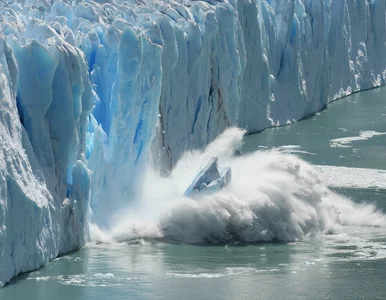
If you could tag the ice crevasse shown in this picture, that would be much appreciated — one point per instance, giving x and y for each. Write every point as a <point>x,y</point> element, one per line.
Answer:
<point>90,89</point>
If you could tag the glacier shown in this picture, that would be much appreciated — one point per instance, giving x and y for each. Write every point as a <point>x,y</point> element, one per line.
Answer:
<point>89,90</point>
<point>44,182</point>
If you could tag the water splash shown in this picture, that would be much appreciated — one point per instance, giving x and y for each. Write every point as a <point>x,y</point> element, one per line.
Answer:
<point>273,196</point>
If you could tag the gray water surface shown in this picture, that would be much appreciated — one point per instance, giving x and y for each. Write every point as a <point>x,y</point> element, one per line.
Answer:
<point>348,265</point>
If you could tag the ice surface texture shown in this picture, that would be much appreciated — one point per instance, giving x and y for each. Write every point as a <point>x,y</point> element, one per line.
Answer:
<point>44,184</point>
<point>165,76</point>
<point>210,178</point>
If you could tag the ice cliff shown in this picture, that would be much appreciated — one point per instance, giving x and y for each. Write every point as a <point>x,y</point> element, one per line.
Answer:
<point>90,89</point>
<point>44,183</point>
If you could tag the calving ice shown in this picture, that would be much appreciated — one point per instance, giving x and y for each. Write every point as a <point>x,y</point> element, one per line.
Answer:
<point>93,92</point>
<point>210,178</point>
<point>273,196</point>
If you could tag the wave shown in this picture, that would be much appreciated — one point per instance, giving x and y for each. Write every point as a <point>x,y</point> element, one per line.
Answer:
<point>273,196</point>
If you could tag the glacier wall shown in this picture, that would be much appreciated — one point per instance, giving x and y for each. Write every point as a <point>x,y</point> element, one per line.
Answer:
<point>44,182</point>
<point>289,59</point>
<point>90,89</point>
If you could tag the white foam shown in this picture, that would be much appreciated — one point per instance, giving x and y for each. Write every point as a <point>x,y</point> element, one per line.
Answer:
<point>231,271</point>
<point>346,141</point>
<point>200,275</point>
<point>353,177</point>
<point>292,149</point>
<point>104,276</point>
<point>289,147</point>
<point>43,278</point>
<point>348,247</point>
<point>273,196</point>
<point>79,279</point>
<point>69,258</point>
<point>82,280</point>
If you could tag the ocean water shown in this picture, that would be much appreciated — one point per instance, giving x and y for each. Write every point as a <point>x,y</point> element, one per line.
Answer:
<point>274,245</point>
<point>315,138</point>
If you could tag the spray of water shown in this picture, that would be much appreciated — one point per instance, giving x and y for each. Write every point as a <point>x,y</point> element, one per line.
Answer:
<point>272,196</point>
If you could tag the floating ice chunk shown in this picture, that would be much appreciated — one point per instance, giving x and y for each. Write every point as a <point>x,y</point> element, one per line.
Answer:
<point>210,178</point>
<point>104,276</point>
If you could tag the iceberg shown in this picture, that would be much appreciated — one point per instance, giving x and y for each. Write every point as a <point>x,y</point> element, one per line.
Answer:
<point>211,178</point>
<point>90,90</point>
